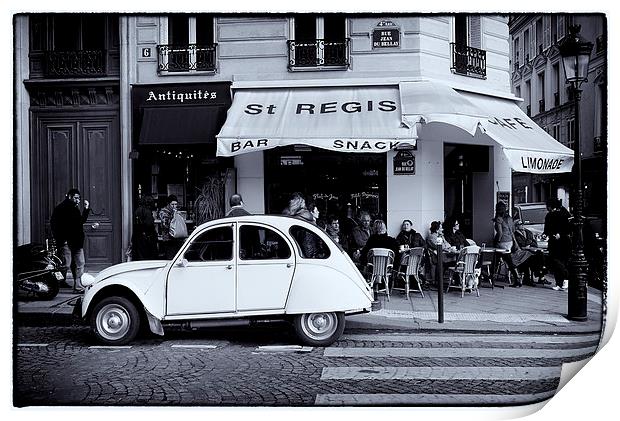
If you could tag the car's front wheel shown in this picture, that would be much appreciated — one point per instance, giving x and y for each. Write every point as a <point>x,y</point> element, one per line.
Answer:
<point>115,321</point>
<point>319,329</point>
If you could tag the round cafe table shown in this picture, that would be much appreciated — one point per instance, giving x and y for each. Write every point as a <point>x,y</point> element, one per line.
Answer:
<point>497,252</point>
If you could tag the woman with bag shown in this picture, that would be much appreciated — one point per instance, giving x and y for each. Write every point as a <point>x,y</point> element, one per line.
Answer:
<point>173,228</point>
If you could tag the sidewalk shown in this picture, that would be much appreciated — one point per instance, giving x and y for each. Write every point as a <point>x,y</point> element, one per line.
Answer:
<point>509,310</point>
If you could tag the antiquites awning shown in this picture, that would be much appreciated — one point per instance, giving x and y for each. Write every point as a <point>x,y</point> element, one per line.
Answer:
<point>345,119</point>
<point>526,145</point>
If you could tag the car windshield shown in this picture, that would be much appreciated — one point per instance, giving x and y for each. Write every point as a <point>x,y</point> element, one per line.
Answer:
<point>534,215</point>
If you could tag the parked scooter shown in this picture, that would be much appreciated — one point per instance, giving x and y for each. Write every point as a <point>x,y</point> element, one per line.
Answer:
<point>38,271</point>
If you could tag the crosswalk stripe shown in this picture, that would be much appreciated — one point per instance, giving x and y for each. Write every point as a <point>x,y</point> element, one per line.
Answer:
<point>459,352</point>
<point>110,347</point>
<point>31,345</point>
<point>284,348</point>
<point>428,399</point>
<point>199,346</point>
<point>441,373</point>
<point>471,338</point>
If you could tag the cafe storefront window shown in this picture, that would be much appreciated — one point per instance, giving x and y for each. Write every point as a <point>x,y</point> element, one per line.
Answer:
<point>173,151</point>
<point>335,181</point>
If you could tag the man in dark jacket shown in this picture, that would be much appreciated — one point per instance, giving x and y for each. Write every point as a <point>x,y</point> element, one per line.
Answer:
<point>557,228</point>
<point>67,227</point>
<point>236,206</point>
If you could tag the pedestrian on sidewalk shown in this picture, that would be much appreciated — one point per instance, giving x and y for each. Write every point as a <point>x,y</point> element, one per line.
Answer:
<point>504,236</point>
<point>170,244</point>
<point>557,228</point>
<point>144,237</point>
<point>68,231</point>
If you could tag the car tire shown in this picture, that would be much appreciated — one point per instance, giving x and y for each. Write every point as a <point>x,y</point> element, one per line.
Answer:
<point>115,321</point>
<point>319,329</point>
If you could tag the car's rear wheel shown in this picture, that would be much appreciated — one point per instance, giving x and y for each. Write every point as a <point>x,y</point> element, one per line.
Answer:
<point>319,329</point>
<point>115,321</point>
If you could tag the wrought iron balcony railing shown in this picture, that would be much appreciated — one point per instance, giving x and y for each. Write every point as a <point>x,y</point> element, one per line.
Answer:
<point>186,58</point>
<point>318,54</point>
<point>77,63</point>
<point>541,105</point>
<point>468,61</point>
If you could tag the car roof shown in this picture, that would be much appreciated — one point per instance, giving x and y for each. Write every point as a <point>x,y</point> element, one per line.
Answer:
<point>281,221</point>
<point>532,205</point>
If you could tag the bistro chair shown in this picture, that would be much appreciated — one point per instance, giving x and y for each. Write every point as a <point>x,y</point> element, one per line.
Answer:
<point>465,270</point>
<point>410,268</point>
<point>487,258</point>
<point>380,263</point>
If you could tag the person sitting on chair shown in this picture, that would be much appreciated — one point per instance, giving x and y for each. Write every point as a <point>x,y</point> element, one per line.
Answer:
<point>380,239</point>
<point>408,236</point>
<point>453,235</point>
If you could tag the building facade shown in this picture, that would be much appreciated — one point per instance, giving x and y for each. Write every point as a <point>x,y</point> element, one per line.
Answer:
<point>163,113</point>
<point>538,78</point>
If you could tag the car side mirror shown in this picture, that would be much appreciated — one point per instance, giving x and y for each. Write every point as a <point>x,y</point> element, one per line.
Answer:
<point>183,262</point>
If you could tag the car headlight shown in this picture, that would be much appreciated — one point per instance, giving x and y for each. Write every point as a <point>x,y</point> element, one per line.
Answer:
<point>87,279</point>
<point>49,266</point>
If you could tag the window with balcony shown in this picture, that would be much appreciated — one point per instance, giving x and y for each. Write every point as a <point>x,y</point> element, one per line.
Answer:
<point>570,141</point>
<point>528,98</point>
<point>318,42</point>
<point>526,45</point>
<point>190,45</point>
<point>555,131</point>
<point>72,44</point>
<point>467,56</point>
<point>600,119</point>
<point>557,81</point>
<point>539,36</point>
<point>515,51</point>
<point>541,92</point>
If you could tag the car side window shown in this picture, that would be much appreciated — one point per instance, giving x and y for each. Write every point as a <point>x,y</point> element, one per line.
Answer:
<point>260,243</point>
<point>215,244</point>
<point>310,245</point>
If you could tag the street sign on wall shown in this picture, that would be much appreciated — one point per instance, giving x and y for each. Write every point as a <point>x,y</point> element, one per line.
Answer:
<point>386,35</point>
<point>404,163</point>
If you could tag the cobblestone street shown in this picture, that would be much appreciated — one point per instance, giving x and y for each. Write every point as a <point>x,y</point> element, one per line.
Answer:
<point>62,366</point>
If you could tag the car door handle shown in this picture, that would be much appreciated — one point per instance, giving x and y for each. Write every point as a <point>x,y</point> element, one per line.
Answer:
<point>288,265</point>
<point>229,267</point>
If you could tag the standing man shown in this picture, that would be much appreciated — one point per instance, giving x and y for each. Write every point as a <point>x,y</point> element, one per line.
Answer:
<point>557,228</point>
<point>360,235</point>
<point>67,227</point>
<point>236,206</point>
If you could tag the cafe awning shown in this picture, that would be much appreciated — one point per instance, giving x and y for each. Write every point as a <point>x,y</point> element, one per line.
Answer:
<point>180,125</point>
<point>526,145</point>
<point>344,119</point>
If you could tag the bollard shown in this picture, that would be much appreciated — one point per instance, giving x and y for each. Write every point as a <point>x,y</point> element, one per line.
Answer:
<point>439,277</point>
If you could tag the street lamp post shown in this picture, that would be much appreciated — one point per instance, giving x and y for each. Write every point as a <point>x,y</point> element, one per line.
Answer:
<point>575,52</point>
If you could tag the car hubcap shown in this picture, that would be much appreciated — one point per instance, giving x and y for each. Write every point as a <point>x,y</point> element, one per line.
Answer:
<point>319,326</point>
<point>113,322</point>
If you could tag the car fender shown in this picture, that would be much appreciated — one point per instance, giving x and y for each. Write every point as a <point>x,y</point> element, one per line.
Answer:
<point>319,287</point>
<point>152,302</point>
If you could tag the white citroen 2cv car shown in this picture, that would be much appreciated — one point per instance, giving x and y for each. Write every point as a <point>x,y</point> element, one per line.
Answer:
<point>232,271</point>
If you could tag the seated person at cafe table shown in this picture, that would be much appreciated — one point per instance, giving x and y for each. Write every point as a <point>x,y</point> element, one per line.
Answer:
<point>448,251</point>
<point>504,233</point>
<point>529,262</point>
<point>380,239</point>
<point>332,228</point>
<point>360,235</point>
<point>408,236</point>
<point>452,234</point>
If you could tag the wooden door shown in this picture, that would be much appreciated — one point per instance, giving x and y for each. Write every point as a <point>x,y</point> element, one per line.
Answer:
<point>79,150</point>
